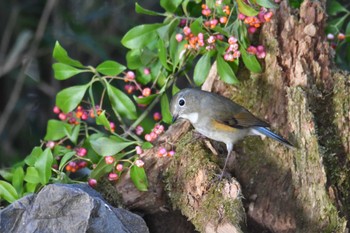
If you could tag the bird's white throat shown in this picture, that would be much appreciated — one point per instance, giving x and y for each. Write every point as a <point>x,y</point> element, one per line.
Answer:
<point>192,117</point>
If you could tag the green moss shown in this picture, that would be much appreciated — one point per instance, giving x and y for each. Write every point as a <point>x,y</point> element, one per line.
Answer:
<point>108,191</point>
<point>191,157</point>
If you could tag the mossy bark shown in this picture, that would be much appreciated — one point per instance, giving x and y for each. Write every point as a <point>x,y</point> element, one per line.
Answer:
<point>307,189</point>
<point>308,102</point>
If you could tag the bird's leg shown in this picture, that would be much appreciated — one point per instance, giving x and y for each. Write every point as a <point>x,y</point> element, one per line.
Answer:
<point>229,150</point>
<point>224,168</point>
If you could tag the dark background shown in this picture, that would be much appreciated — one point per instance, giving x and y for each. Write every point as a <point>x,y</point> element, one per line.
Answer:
<point>89,30</point>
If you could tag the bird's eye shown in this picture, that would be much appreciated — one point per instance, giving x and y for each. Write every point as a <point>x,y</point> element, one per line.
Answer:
<point>182,102</point>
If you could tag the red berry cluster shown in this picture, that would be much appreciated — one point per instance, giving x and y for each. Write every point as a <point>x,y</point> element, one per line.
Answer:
<point>254,22</point>
<point>335,39</point>
<point>156,131</point>
<point>209,41</point>
<point>74,166</point>
<point>74,117</point>
<point>162,152</point>
<point>259,51</point>
<point>132,85</point>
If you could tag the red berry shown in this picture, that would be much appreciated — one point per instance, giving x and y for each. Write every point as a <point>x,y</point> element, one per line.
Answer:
<point>109,159</point>
<point>92,182</point>
<point>146,91</point>
<point>341,36</point>
<point>139,130</point>
<point>62,116</point>
<point>81,151</point>
<point>85,116</point>
<point>138,150</point>
<point>157,116</point>
<point>130,76</point>
<point>50,144</point>
<point>56,110</point>
<point>252,30</point>
<point>82,164</point>
<point>146,71</point>
<point>139,163</point>
<point>112,176</point>
<point>119,167</point>
<point>179,37</point>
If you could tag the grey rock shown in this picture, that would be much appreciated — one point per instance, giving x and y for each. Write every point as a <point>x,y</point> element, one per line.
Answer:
<point>68,208</point>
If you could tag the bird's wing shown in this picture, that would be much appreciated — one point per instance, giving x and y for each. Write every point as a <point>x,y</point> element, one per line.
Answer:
<point>243,119</point>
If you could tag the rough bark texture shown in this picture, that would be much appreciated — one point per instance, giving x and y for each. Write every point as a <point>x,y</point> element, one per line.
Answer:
<point>287,190</point>
<point>301,190</point>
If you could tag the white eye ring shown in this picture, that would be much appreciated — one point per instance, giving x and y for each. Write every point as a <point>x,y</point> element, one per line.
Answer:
<point>182,102</point>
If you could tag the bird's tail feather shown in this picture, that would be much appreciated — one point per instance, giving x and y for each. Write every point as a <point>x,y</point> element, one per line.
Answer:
<point>270,134</point>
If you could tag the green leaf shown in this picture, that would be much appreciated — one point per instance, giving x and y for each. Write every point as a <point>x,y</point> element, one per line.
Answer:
<point>267,4</point>
<point>60,150</point>
<point>168,29</point>
<point>43,166</point>
<point>121,103</point>
<point>101,169</point>
<point>145,100</point>
<point>334,7</point>
<point>69,98</point>
<point>148,56</point>
<point>176,49</point>
<point>139,178</point>
<point>197,26</point>
<point>32,176</point>
<point>65,159</point>
<point>170,5</point>
<point>108,146</point>
<point>61,55</point>
<point>102,120</point>
<point>347,32</point>
<point>133,59</point>
<point>335,25</point>
<point>162,53</point>
<point>72,132</point>
<point>8,192</point>
<point>174,90</point>
<point>30,187</point>
<point>201,70</point>
<point>63,71</point>
<point>34,155</point>
<point>17,180</point>
<point>140,36</point>
<point>6,174</point>
<point>56,130</point>
<point>164,104</point>
<point>225,71</point>
<point>142,78</point>
<point>245,9</point>
<point>250,61</point>
<point>111,68</point>
<point>147,145</point>
<point>140,10</point>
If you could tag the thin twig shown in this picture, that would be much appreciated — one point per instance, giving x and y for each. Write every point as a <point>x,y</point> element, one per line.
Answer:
<point>7,34</point>
<point>21,77</point>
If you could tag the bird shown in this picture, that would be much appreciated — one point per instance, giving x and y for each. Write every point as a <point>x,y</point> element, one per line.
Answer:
<point>218,118</point>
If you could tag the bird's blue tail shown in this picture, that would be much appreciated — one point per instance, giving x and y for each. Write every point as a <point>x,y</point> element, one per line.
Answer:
<point>270,134</point>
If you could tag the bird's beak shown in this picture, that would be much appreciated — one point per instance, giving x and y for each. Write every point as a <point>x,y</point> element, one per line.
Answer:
<point>174,118</point>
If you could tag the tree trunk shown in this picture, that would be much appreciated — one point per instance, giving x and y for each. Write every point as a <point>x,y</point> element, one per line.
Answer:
<point>303,190</point>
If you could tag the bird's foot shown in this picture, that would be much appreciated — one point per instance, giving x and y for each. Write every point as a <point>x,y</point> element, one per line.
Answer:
<point>223,174</point>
